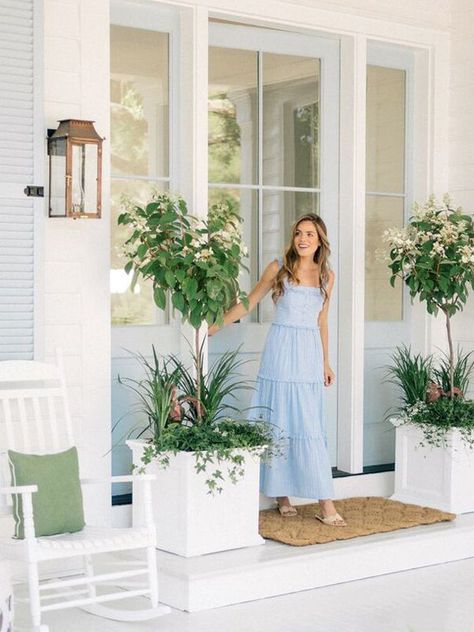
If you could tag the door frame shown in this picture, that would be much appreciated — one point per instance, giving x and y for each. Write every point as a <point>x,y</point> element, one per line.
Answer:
<point>251,335</point>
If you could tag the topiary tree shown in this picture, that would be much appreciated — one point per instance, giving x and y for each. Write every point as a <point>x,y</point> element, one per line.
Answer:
<point>194,262</point>
<point>434,255</point>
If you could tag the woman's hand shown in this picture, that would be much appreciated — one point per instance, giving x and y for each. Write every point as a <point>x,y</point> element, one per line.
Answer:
<point>329,376</point>
<point>212,330</point>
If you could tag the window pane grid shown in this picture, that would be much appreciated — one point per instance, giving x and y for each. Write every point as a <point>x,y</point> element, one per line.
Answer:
<point>386,184</point>
<point>264,118</point>
<point>117,176</point>
<point>140,153</point>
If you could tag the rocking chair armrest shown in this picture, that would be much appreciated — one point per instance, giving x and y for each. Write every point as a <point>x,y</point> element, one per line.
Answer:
<point>19,489</point>
<point>130,478</point>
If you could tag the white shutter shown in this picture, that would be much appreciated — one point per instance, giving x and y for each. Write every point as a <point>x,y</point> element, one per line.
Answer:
<point>17,169</point>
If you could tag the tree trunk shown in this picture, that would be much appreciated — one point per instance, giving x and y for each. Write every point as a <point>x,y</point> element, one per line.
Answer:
<point>451,356</point>
<point>198,375</point>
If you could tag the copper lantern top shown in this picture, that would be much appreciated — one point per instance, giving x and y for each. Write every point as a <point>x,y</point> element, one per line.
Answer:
<point>74,128</point>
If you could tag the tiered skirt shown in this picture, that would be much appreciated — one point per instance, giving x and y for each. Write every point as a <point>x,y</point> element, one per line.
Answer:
<point>290,395</point>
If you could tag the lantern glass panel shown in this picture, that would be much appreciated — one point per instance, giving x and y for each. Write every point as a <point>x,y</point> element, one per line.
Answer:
<point>84,178</point>
<point>57,189</point>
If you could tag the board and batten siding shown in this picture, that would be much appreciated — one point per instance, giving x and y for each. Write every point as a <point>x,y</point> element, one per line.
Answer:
<point>18,148</point>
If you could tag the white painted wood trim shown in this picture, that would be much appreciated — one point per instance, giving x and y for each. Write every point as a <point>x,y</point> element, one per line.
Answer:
<point>40,176</point>
<point>305,18</point>
<point>438,179</point>
<point>194,43</point>
<point>352,244</point>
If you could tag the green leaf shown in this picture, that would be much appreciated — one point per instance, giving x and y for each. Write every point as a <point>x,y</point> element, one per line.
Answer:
<point>169,216</point>
<point>154,220</point>
<point>152,207</point>
<point>180,275</point>
<point>169,277</point>
<point>195,318</point>
<point>128,266</point>
<point>142,250</point>
<point>192,287</point>
<point>160,297</point>
<point>178,300</point>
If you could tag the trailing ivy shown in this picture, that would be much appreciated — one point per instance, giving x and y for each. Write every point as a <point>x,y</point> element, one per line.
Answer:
<point>437,418</point>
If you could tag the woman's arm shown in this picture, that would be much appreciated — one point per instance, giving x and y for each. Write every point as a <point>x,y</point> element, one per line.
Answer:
<point>323,319</point>
<point>263,286</point>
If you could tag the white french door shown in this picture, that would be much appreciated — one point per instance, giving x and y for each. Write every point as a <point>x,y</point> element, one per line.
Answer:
<point>389,195</point>
<point>274,152</point>
<point>143,88</point>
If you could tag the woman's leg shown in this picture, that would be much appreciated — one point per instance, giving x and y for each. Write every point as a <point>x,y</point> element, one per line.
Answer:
<point>285,507</point>
<point>328,510</point>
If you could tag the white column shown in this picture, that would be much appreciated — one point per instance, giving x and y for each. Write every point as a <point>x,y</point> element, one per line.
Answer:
<point>352,244</point>
<point>192,184</point>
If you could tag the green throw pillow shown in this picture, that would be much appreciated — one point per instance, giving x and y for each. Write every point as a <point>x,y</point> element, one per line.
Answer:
<point>57,505</point>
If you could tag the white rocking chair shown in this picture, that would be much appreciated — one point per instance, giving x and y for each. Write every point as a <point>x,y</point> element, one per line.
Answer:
<point>35,419</point>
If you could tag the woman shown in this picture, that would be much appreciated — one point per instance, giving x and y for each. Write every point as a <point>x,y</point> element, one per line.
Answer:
<point>295,366</point>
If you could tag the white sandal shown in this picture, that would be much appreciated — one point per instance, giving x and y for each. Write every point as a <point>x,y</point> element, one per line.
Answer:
<point>287,510</point>
<point>334,521</point>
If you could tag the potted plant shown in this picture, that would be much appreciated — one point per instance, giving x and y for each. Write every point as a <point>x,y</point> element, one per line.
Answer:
<point>206,462</point>
<point>434,461</point>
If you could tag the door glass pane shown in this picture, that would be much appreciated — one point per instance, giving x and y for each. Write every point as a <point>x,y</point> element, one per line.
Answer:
<point>385,326</point>
<point>139,120</point>
<point>129,306</point>
<point>382,301</point>
<point>385,130</point>
<point>244,203</point>
<point>139,102</point>
<point>233,120</point>
<point>385,172</point>
<point>291,120</point>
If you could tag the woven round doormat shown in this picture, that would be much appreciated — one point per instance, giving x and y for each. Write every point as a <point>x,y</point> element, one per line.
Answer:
<point>364,515</point>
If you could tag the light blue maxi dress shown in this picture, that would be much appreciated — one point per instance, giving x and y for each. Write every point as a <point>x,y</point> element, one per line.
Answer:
<point>290,384</point>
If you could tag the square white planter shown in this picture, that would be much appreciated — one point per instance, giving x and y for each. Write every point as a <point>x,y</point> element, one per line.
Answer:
<point>189,521</point>
<point>440,477</point>
<point>6,598</point>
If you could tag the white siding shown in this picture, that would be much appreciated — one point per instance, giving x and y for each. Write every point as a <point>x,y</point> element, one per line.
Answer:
<point>16,171</point>
<point>75,253</point>
<point>461,145</point>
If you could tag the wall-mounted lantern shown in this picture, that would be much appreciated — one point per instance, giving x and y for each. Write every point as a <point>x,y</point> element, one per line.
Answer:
<point>75,170</point>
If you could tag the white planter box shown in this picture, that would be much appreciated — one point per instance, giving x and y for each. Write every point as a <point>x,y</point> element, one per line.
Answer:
<point>189,521</point>
<point>434,477</point>
<point>6,598</point>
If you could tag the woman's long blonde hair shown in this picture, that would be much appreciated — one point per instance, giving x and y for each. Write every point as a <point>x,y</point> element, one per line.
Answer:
<point>290,257</point>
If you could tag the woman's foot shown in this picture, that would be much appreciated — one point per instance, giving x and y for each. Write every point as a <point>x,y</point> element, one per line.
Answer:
<point>285,508</point>
<point>329,514</point>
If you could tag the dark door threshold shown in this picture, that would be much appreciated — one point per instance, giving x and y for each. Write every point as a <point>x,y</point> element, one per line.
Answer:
<point>126,499</point>
<point>368,469</point>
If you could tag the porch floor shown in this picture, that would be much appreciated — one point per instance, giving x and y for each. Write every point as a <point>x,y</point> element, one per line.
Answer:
<point>231,577</point>
<point>430,599</point>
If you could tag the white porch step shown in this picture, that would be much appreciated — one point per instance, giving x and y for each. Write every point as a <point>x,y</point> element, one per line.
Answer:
<point>230,577</point>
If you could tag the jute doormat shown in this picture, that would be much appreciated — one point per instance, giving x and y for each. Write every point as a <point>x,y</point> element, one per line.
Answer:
<point>364,515</point>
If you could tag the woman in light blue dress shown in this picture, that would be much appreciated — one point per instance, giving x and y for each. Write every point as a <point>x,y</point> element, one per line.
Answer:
<point>294,368</point>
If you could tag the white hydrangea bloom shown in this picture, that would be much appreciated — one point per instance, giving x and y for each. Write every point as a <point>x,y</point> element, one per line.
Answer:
<point>467,253</point>
<point>438,249</point>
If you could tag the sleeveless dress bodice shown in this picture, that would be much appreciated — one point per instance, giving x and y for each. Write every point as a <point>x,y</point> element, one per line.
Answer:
<point>299,306</point>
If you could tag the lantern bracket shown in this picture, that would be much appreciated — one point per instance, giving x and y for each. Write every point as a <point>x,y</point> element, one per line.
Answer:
<point>33,191</point>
